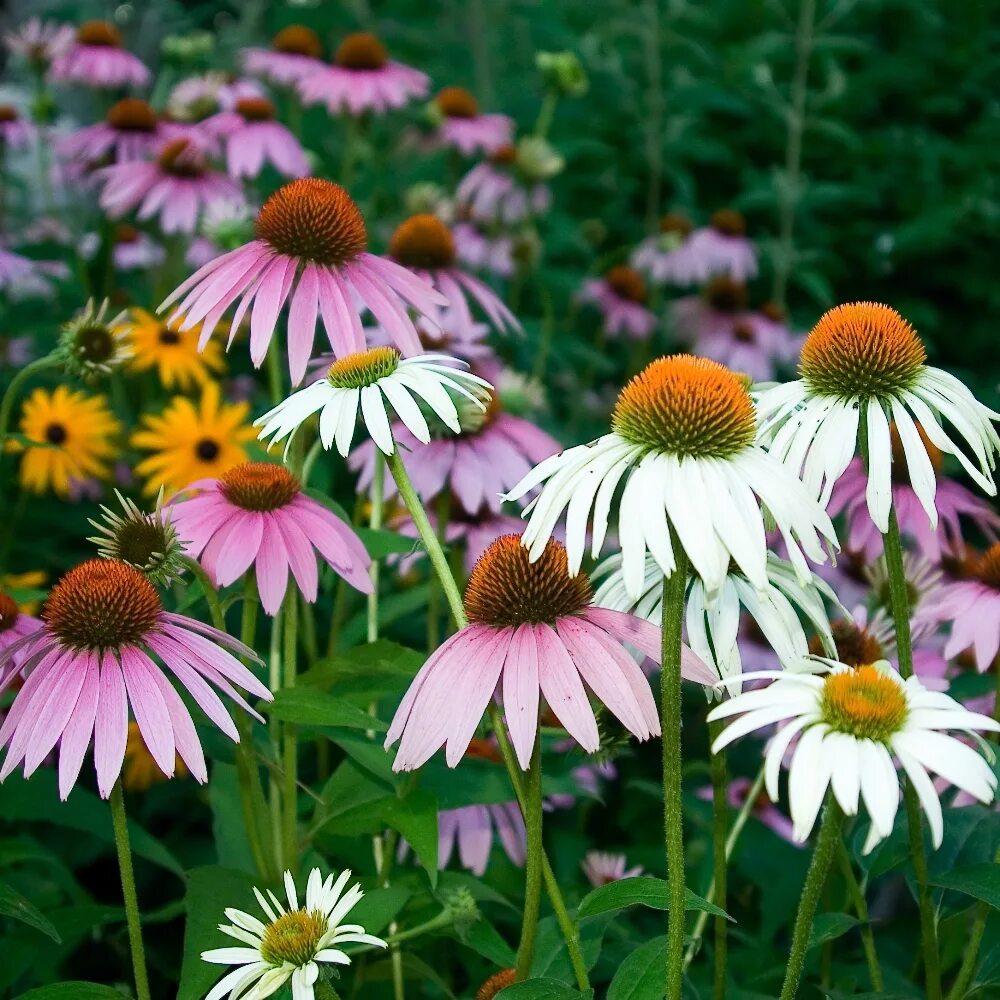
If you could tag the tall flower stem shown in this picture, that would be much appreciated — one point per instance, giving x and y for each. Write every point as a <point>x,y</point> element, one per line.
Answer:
<point>375,523</point>
<point>720,822</point>
<point>290,735</point>
<point>533,865</point>
<point>970,956</point>
<point>273,785</point>
<point>32,368</point>
<point>857,895</point>
<point>670,721</point>
<point>547,113</point>
<point>124,849</point>
<point>440,563</point>
<point>826,845</point>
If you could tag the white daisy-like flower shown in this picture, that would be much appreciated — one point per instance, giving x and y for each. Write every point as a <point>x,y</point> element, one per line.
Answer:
<point>853,726</point>
<point>376,380</point>
<point>864,362</point>
<point>683,448</point>
<point>713,626</point>
<point>294,941</point>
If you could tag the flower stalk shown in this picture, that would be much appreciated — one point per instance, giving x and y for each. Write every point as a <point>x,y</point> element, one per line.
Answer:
<point>533,864</point>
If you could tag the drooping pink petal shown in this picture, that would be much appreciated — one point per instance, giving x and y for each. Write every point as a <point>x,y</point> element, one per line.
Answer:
<point>149,708</point>
<point>111,726</point>
<point>80,728</point>
<point>521,693</point>
<point>560,683</point>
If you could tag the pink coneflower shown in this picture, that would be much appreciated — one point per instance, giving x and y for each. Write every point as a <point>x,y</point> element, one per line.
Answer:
<point>621,297</point>
<point>533,630</point>
<point>97,59</point>
<point>253,137</point>
<point>130,131</point>
<point>311,252</point>
<point>257,513</point>
<point>666,258</point>
<point>763,808</point>
<point>135,250</point>
<point>471,830</point>
<point>492,191</point>
<point>21,277</point>
<point>15,132</point>
<point>424,245</point>
<point>362,78</point>
<point>39,42</point>
<point>474,248</point>
<point>175,188</point>
<point>295,52</point>
<point>197,98</point>
<point>494,450</point>
<point>952,501</point>
<point>753,343</point>
<point>603,868</point>
<point>712,313</point>
<point>93,658</point>
<point>464,128</point>
<point>722,247</point>
<point>14,626</point>
<point>16,352</point>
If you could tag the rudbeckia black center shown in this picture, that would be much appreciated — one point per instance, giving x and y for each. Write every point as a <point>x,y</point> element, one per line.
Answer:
<point>207,450</point>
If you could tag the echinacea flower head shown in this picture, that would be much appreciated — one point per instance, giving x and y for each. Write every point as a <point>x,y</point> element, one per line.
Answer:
<point>463,127</point>
<point>852,725</point>
<point>665,258</point>
<point>146,540</point>
<point>533,631</point>
<point>495,190</point>
<point>256,513</point>
<point>621,297</point>
<point>191,441</point>
<point>131,130</point>
<point>15,132</point>
<point>175,188</point>
<point>172,353</point>
<point>362,78</point>
<point>374,381</point>
<point>864,362</point>
<point>293,941</point>
<point>15,624</point>
<point>39,42</point>
<point>70,436</point>
<point>425,245</point>
<point>722,247</point>
<point>92,345</point>
<point>683,449</point>
<point>106,646</point>
<point>310,251</point>
<point>603,868</point>
<point>253,137</point>
<point>97,59</point>
<point>295,52</point>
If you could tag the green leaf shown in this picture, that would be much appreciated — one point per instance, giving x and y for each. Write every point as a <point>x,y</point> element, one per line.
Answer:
<point>73,991</point>
<point>643,975</point>
<point>484,938</point>
<point>13,904</point>
<point>979,881</point>
<point>308,707</point>
<point>231,842</point>
<point>643,890</point>
<point>381,543</point>
<point>830,926</point>
<point>542,989</point>
<point>377,908</point>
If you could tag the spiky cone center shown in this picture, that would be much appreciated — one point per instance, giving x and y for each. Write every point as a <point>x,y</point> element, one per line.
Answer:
<point>686,406</point>
<point>8,612</point>
<point>93,344</point>
<point>294,938</point>
<point>313,220</point>
<point>497,982</point>
<point>505,155</point>
<point>355,371</point>
<point>131,114</point>
<point>726,295</point>
<point>255,109</point>
<point>863,703</point>
<point>728,222</point>
<point>102,604</point>
<point>855,645</point>
<point>8,113</point>
<point>143,542</point>
<point>101,33</point>
<point>627,284</point>
<point>362,50</point>
<point>298,40</point>
<point>676,224</point>
<point>456,102</point>
<point>507,589</point>
<point>259,486</point>
<point>987,567</point>
<point>423,241</point>
<point>861,349</point>
<point>179,158</point>
<point>900,469</point>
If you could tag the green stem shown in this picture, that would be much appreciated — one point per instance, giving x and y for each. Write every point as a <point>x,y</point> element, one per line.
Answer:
<point>447,581</point>
<point>273,785</point>
<point>899,598</point>
<point>970,956</point>
<point>861,908</point>
<point>720,817</point>
<point>548,330</point>
<point>31,368</point>
<point>210,593</point>
<point>375,523</point>
<point>826,843</point>
<point>547,113</point>
<point>533,865</point>
<point>120,824</point>
<point>670,719</point>
<point>275,380</point>
<point>290,735</point>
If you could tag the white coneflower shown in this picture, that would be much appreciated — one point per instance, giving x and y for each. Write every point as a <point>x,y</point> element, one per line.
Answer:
<point>375,380</point>
<point>864,361</point>
<point>853,724</point>
<point>293,943</point>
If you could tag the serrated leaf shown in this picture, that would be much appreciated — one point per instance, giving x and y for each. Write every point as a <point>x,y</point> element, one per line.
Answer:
<point>643,975</point>
<point>306,706</point>
<point>14,905</point>
<point>643,890</point>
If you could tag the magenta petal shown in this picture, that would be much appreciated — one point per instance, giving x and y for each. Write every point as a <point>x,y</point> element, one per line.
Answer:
<point>302,323</point>
<point>78,732</point>
<point>55,714</point>
<point>520,693</point>
<point>560,683</point>
<point>185,735</point>
<point>149,708</point>
<point>218,661</point>
<point>475,838</point>
<point>111,728</point>
<point>301,557</point>
<point>272,568</point>
<point>267,306</point>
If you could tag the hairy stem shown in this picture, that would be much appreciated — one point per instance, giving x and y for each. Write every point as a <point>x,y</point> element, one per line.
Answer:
<point>857,895</point>
<point>533,864</point>
<point>132,917</point>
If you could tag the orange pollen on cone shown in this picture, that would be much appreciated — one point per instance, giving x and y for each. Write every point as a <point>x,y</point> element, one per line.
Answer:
<point>497,982</point>
<point>102,604</point>
<point>8,113</point>
<point>132,115</point>
<point>101,33</point>
<point>505,155</point>
<point>255,109</point>
<point>507,589</point>
<point>987,567</point>
<point>259,486</point>
<point>626,284</point>
<point>863,703</point>
<point>8,612</point>
<point>456,102</point>
<point>362,50</point>
<point>423,241</point>
<point>298,40</point>
<point>675,222</point>
<point>728,223</point>
<point>363,368</point>
<point>855,646</point>
<point>180,158</point>
<point>313,220</point>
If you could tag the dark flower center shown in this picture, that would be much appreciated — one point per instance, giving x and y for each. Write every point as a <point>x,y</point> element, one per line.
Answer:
<point>255,109</point>
<point>7,113</point>
<point>423,241</point>
<point>259,486</point>
<point>988,567</point>
<point>298,40</point>
<point>207,450</point>
<point>168,336</point>
<point>101,33</point>
<point>132,115</point>
<point>56,434</point>
<point>180,158</point>
<point>626,284</point>
<point>725,295</point>
<point>362,50</point>
<point>855,646</point>
<point>8,612</point>
<point>728,223</point>
<point>676,223</point>
<point>456,102</point>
